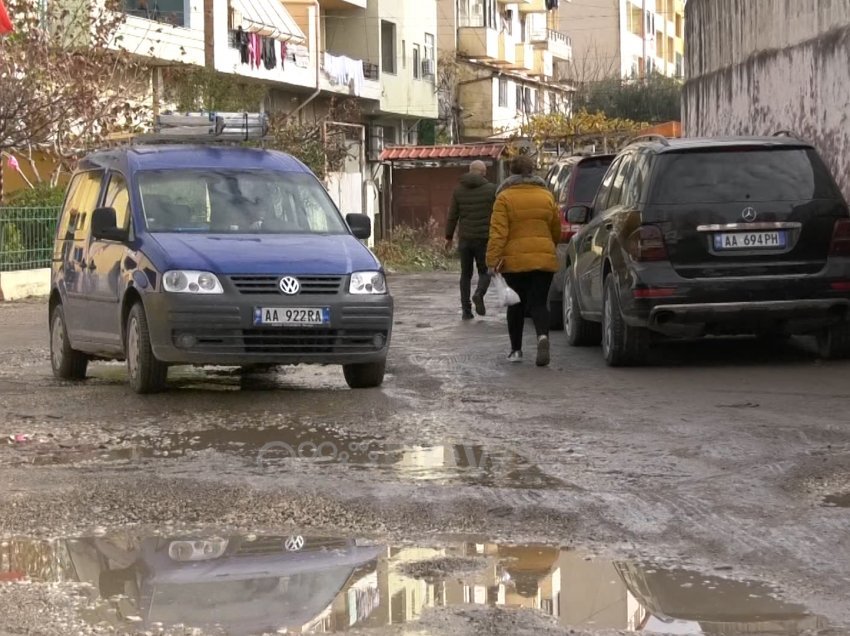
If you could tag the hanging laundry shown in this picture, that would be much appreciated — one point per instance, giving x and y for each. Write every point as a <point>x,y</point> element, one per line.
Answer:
<point>283,53</point>
<point>551,4</point>
<point>242,44</point>
<point>345,71</point>
<point>258,54</point>
<point>251,49</point>
<point>269,55</point>
<point>354,74</point>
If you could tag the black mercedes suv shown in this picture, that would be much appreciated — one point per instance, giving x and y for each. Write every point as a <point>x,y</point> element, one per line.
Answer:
<point>696,237</point>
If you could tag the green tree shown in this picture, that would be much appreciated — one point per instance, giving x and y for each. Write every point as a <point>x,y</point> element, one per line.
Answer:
<point>655,99</point>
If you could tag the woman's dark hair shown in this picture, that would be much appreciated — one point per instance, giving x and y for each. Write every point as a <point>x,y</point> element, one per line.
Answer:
<point>522,165</point>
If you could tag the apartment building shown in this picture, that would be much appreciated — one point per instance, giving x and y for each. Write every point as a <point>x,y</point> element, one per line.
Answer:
<point>309,53</point>
<point>505,56</point>
<point>632,38</point>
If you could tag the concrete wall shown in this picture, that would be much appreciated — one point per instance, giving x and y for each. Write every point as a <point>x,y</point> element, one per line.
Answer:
<point>25,283</point>
<point>755,67</point>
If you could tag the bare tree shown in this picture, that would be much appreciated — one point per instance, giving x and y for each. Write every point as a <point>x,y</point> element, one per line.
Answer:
<point>593,64</point>
<point>65,84</point>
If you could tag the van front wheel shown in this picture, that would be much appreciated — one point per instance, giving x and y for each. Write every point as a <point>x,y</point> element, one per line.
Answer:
<point>365,375</point>
<point>146,373</point>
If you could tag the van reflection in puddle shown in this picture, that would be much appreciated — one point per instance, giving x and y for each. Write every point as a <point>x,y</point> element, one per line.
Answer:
<point>247,584</point>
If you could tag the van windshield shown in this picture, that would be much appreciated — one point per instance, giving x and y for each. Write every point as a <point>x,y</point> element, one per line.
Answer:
<point>236,202</point>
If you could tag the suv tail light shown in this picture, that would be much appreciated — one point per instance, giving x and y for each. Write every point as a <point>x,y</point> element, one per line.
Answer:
<point>840,245</point>
<point>647,244</point>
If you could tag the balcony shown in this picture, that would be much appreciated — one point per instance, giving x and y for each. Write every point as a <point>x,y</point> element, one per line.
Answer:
<point>533,6</point>
<point>342,5</point>
<point>557,43</point>
<point>486,44</point>
<point>525,56</point>
<point>543,65</point>
<point>349,76</point>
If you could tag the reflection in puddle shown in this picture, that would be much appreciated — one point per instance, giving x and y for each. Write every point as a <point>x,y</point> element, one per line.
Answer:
<point>250,584</point>
<point>277,449</point>
<point>838,501</point>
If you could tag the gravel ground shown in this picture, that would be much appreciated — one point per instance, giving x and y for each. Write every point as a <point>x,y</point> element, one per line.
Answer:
<point>723,456</point>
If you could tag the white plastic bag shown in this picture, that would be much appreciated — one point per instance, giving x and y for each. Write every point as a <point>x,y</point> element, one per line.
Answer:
<point>507,296</point>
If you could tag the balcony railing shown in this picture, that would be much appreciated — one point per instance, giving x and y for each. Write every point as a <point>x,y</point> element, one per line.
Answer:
<point>548,35</point>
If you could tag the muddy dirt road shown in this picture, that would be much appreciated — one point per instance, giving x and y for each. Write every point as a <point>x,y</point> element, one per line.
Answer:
<point>708,493</point>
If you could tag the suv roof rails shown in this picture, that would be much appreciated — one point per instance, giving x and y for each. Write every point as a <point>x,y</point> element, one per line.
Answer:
<point>786,133</point>
<point>651,137</point>
<point>212,127</point>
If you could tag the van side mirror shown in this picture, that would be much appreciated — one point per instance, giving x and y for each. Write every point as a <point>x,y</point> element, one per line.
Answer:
<point>360,224</point>
<point>104,226</point>
<point>578,214</point>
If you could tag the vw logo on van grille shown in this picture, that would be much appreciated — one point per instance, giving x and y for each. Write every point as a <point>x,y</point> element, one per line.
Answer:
<point>289,285</point>
<point>294,544</point>
<point>749,214</point>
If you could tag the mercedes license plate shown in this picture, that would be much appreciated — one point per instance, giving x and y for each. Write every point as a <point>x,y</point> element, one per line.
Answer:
<point>749,240</point>
<point>291,316</point>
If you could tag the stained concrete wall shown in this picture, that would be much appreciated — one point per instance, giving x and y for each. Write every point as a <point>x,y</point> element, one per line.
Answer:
<point>759,66</point>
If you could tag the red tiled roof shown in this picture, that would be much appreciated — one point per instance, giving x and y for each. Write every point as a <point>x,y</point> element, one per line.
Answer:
<point>461,151</point>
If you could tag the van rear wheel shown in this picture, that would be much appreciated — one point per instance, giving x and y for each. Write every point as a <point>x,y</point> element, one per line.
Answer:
<point>67,363</point>
<point>365,375</point>
<point>146,373</point>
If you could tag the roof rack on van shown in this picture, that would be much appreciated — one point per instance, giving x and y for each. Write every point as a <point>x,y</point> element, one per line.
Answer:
<point>651,137</point>
<point>207,127</point>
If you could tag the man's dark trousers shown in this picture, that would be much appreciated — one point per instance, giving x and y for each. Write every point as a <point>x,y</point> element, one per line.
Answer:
<point>472,252</point>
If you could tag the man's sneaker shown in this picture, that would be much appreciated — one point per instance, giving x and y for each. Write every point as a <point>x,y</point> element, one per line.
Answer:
<point>467,315</point>
<point>516,356</point>
<point>478,301</point>
<point>542,351</point>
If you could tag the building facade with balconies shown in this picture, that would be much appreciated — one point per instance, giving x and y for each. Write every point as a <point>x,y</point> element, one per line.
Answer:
<point>504,55</point>
<point>309,54</point>
<point>632,38</point>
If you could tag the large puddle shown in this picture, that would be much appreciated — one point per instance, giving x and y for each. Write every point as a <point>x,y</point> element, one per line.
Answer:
<point>837,501</point>
<point>249,584</point>
<point>279,448</point>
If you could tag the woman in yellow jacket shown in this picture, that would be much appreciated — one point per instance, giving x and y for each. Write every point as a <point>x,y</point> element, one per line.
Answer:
<point>524,230</point>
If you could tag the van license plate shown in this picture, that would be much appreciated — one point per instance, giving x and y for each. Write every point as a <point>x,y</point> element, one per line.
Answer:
<point>749,241</point>
<point>288,316</point>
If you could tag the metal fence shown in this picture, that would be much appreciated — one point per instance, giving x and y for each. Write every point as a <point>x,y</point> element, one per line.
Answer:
<point>26,237</point>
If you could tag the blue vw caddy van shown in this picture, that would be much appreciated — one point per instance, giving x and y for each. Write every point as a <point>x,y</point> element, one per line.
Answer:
<point>212,255</point>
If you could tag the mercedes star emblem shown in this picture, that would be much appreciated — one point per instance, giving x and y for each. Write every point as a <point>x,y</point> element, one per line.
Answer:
<point>289,285</point>
<point>294,544</point>
<point>749,214</point>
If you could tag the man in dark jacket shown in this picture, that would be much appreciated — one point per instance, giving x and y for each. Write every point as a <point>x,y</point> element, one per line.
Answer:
<point>472,205</point>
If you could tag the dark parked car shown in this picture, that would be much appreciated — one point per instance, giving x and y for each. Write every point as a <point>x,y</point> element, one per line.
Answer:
<point>574,181</point>
<point>696,237</point>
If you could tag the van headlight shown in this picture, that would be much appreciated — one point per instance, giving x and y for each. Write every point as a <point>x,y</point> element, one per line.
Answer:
<point>367,283</point>
<point>180,281</point>
<point>190,550</point>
